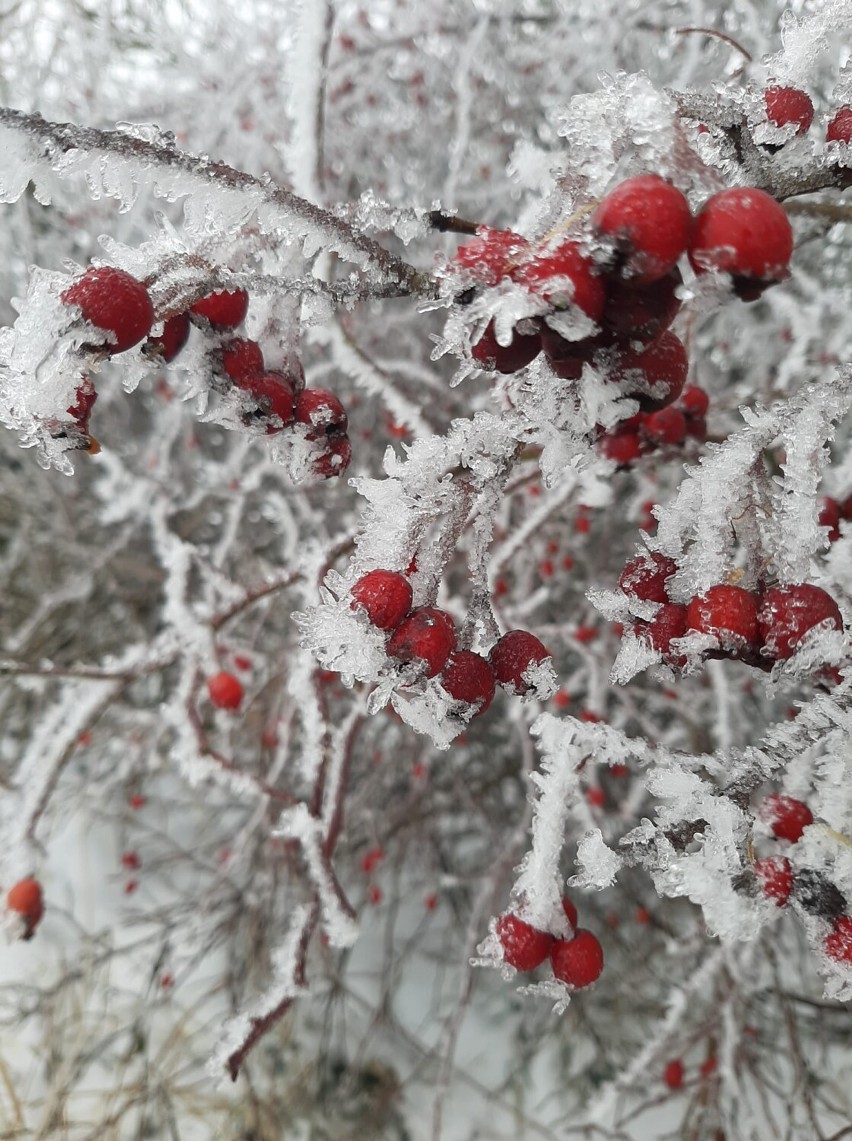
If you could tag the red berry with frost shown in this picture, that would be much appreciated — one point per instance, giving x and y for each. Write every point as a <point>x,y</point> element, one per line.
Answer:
<point>669,622</point>
<point>646,576</point>
<point>524,946</point>
<point>642,312</point>
<point>694,402</point>
<point>785,105</point>
<point>427,636</point>
<point>322,412</point>
<point>25,897</point>
<point>745,233</point>
<point>513,655</point>
<point>84,401</point>
<point>334,459</point>
<point>274,400</point>
<point>562,277</point>
<point>673,1074</point>
<point>656,374</point>
<point>829,516</point>
<point>786,816</point>
<point>172,339</point>
<point>224,309</point>
<point>622,447</point>
<point>775,876</point>
<point>729,613</point>
<point>648,221</point>
<point>468,677</point>
<point>385,596</point>
<point>838,943</point>
<point>241,358</point>
<point>839,130</point>
<point>489,256</point>
<point>115,302</point>
<point>667,426</point>
<point>570,911</point>
<point>788,613</point>
<point>521,350</point>
<point>578,961</point>
<point>225,690</point>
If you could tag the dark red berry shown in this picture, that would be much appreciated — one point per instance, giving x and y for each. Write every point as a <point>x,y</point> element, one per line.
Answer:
<point>490,255</point>
<point>335,457</point>
<point>667,426</point>
<point>25,897</point>
<point>839,130</point>
<point>468,677</point>
<point>84,401</point>
<point>225,690</point>
<point>578,961</point>
<point>224,309</point>
<point>838,943</point>
<point>563,277</point>
<point>322,412</point>
<point>648,221</point>
<point>656,374</point>
<point>513,655</point>
<point>427,636</point>
<point>274,399</point>
<point>646,576</point>
<point>669,622</point>
<point>241,358</point>
<point>489,355</point>
<point>673,1074</point>
<point>694,402</point>
<point>729,613</point>
<point>786,816</point>
<point>524,946</point>
<point>384,595</point>
<point>745,233</point>
<point>115,302</point>
<point>172,339</point>
<point>787,613</point>
<point>622,447</point>
<point>642,312</point>
<point>775,876</point>
<point>785,105</point>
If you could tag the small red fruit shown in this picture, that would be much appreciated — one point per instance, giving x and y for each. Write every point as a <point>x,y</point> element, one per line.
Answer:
<point>513,655</point>
<point>775,876</point>
<point>729,613</point>
<point>131,861</point>
<point>622,447</point>
<point>570,911</point>
<point>646,576</point>
<point>786,816</point>
<point>524,947</point>
<point>273,394</point>
<point>25,897</point>
<point>116,302</point>
<point>839,130</point>
<point>384,595</point>
<point>642,312</point>
<point>563,277</point>
<point>694,402</point>
<point>334,459</point>
<point>786,105</point>
<point>578,961</point>
<point>494,357</point>
<point>743,232</point>
<point>84,401</point>
<point>673,1074</point>
<point>241,358</point>
<point>172,339</point>
<point>322,412</point>
<point>669,622</point>
<point>838,944</point>
<point>224,310</point>
<point>648,219</point>
<point>468,677</point>
<point>427,636</point>
<point>225,690</point>
<point>655,375</point>
<point>666,426</point>
<point>489,255</point>
<point>787,613</point>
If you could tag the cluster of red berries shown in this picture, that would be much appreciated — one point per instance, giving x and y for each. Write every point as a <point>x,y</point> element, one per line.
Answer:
<point>577,961</point>
<point>26,900</point>
<point>789,105</point>
<point>423,641</point>
<point>787,818</point>
<point>668,427</point>
<point>117,303</point>
<point>622,275</point>
<point>755,628</point>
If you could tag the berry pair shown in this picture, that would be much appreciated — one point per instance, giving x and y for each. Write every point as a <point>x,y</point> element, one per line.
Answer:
<point>647,431</point>
<point>577,961</point>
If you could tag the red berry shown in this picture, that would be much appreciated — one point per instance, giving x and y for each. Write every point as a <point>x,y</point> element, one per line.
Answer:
<point>786,105</point>
<point>224,310</point>
<point>130,860</point>
<point>595,797</point>
<point>646,576</point>
<point>838,944</point>
<point>829,516</point>
<point>84,401</point>
<point>727,612</point>
<point>137,800</point>
<point>562,277</point>
<point>570,911</point>
<point>673,1074</point>
<point>524,947</point>
<point>694,402</point>
<point>116,302</point>
<point>745,233</point>
<point>708,1067</point>
<point>787,613</point>
<point>648,220</point>
<point>241,358</point>
<point>656,374</point>
<point>621,447</point>
<point>642,312</point>
<point>513,655</point>
<point>667,426</point>
<point>578,961</point>
<point>385,596</point>
<point>786,816</point>
<point>839,130</point>
<point>489,255</point>
<point>25,898</point>
<point>775,876</point>
<point>669,622</point>
<point>334,459</point>
<point>273,394</point>
<point>225,690</point>
<point>172,339</point>
<point>427,636</point>
<point>489,355</point>
<point>322,412</point>
<point>468,677</point>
